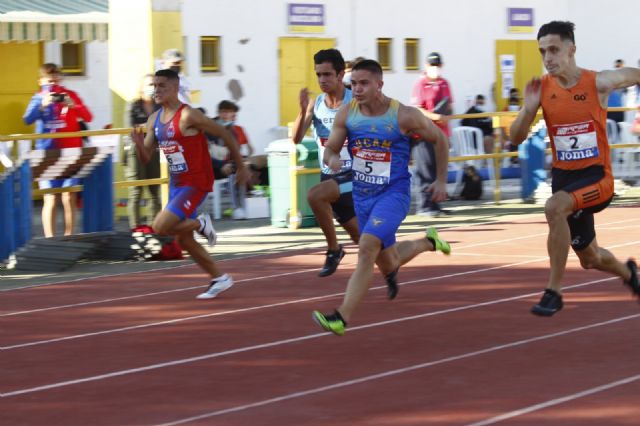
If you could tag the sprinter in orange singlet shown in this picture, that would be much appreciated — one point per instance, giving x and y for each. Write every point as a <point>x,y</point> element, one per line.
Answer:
<point>574,105</point>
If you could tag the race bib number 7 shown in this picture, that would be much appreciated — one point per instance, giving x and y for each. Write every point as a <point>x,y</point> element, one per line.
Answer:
<point>575,141</point>
<point>372,167</point>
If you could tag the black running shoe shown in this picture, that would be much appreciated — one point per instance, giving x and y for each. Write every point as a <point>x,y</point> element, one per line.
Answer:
<point>550,303</point>
<point>332,261</point>
<point>392,284</point>
<point>633,281</point>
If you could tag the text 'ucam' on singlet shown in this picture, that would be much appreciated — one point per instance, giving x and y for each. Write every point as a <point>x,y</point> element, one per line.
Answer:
<point>322,121</point>
<point>379,150</point>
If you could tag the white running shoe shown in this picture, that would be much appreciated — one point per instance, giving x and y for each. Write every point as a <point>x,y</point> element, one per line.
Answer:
<point>209,231</point>
<point>217,286</point>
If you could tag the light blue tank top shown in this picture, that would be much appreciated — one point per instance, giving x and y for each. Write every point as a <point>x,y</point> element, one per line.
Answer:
<point>380,152</point>
<point>322,121</point>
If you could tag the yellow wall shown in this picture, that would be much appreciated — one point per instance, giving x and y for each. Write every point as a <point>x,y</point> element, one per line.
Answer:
<point>19,77</point>
<point>528,64</point>
<point>137,36</point>
<point>296,72</point>
<point>166,30</point>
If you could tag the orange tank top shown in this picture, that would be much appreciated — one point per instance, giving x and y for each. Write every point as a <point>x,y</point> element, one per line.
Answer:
<point>576,123</point>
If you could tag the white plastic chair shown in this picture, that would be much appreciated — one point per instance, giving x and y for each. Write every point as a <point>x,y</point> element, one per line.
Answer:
<point>214,198</point>
<point>466,141</point>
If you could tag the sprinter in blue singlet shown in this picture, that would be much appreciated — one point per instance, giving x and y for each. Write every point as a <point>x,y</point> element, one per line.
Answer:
<point>378,130</point>
<point>332,196</point>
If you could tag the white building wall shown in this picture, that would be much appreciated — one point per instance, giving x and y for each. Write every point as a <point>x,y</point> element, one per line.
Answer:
<point>93,87</point>
<point>463,31</point>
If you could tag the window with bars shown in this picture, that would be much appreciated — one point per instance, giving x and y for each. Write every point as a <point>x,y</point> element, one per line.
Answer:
<point>72,60</point>
<point>210,54</point>
<point>411,48</point>
<point>384,53</point>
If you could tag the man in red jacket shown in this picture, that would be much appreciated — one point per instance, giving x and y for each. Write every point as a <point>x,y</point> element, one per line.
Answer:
<point>56,109</point>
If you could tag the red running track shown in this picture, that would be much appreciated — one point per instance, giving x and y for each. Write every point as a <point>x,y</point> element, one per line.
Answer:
<point>457,347</point>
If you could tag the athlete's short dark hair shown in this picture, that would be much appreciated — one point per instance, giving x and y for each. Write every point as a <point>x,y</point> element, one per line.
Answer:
<point>168,74</point>
<point>330,55</point>
<point>368,65</point>
<point>228,106</point>
<point>564,29</point>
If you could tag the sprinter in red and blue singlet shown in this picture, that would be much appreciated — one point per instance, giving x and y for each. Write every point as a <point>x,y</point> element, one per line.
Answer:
<point>178,130</point>
<point>191,175</point>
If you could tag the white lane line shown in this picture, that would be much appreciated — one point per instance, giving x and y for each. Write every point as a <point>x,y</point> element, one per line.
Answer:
<point>557,401</point>
<point>396,372</point>
<point>253,308</point>
<point>295,301</point>
<point>451,228</point>
<point>274,276</point>
<point>155,293</point>
<point>280,342</point>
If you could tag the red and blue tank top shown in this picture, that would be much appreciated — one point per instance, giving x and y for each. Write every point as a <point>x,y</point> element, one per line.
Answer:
<point>187,156</point>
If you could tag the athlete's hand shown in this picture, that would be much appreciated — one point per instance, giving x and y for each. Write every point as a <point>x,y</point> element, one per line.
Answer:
<point>335,163</point>
<point>438,191</point>
<point>532,93</point>
<point>137,136</point>
<point>304,99</point>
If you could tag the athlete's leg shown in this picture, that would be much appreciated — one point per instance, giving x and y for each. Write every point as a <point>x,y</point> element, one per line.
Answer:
<point>352,228</point>
<point>48,214</point>
<point>594,257</point>
<point>69,200</point>
<point>168,223</point>
<point>358,284</point>
<point>198,252</point>
<point>320,197</point>
<point>557,209</point>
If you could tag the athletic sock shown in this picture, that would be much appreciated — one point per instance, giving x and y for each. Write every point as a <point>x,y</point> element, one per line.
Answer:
<point>201,228</point>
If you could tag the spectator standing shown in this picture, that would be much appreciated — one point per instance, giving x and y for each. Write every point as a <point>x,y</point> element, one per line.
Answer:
<point>432,95</point>
<point>54,109</point>
<point>139,113</point>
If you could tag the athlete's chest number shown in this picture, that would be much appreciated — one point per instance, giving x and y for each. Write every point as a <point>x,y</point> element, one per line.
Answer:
<point>368,167</point>
<point>574,145</point>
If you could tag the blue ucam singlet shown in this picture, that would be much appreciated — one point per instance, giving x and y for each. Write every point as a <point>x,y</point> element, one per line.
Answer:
<point>380,152</point>
<point>322,121</point>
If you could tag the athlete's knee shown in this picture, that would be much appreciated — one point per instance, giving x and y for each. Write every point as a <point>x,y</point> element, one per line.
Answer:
<point>589,258</point>
<point>558,208</point>
<point>368,249</point>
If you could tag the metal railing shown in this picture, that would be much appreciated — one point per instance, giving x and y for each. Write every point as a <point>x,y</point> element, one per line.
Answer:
<point>497,156</point>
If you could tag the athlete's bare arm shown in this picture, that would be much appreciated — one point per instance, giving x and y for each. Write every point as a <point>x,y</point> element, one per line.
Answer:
<point>336,140</point>
<point>520,127</point>
<point>610,80</point>
<point>303,120</point>
<point>145,143</point>
<point>194,119</point>
<point>412,121</point>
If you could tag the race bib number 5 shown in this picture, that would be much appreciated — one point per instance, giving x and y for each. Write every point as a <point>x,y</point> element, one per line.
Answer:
<point>371,166</point>
<point>575,141</point>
